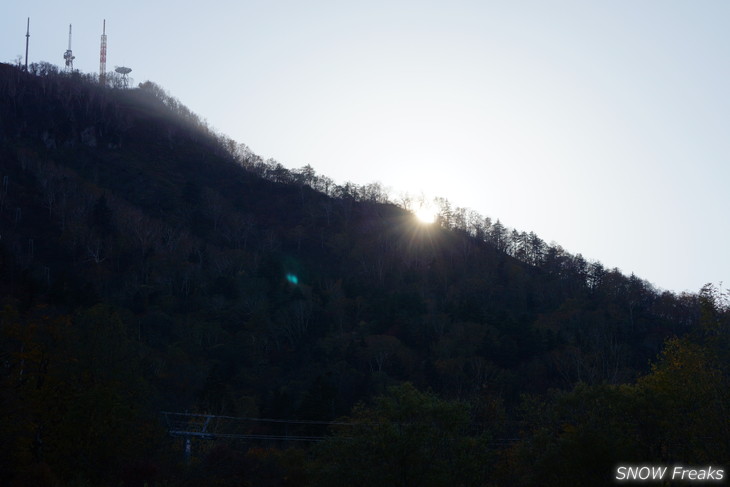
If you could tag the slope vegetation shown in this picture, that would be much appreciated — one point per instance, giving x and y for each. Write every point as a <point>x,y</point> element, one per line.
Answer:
<point>150,264</point>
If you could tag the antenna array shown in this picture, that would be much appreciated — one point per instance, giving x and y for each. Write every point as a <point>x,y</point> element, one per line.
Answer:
<point>68,55</point>
<point>27,39</point>
<point>124,71</point>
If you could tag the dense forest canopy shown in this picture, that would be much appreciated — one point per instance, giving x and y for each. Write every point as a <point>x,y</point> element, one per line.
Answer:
<point>150,264</point>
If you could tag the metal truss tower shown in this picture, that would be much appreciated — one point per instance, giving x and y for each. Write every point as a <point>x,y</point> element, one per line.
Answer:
<point>124,71</point>
<point>27,39</point>
<point>102,57</point>
<point>68,55</point>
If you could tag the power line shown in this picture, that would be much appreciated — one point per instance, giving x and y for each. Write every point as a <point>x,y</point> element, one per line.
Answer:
<point>260,420</point>
<point>214,427</point>
<point>211,426</point>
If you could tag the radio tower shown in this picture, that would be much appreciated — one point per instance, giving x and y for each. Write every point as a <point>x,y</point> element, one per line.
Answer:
<point>68,55</point>
<point>102,57</point>
<point>27,38</point>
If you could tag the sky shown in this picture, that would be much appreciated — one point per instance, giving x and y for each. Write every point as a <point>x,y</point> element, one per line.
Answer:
<point>601,126</point>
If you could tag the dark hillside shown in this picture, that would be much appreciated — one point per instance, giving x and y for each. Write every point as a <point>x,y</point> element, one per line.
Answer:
<point>149,264</point>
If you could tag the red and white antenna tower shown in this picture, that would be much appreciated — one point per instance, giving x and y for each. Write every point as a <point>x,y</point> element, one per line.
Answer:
<point>68,55</point>
<point>102,57</point>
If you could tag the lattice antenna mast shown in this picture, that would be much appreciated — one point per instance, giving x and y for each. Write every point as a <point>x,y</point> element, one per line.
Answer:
<point>68,55</point>
<point>27,40</point>
<point>102,57</point>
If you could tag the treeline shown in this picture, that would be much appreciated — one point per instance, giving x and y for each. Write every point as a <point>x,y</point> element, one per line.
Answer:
<point>525,246</point>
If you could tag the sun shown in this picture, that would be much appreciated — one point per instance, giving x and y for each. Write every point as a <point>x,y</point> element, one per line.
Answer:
<point>425,215</point>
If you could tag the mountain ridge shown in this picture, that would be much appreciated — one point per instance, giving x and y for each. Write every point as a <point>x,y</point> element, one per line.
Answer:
<point>134,237</point>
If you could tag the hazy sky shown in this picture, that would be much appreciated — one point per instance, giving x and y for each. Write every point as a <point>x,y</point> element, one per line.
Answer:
<point>601,126</point>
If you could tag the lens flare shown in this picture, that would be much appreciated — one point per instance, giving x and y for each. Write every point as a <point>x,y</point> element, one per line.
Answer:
<point>425,215</point>
<point>292,278</point>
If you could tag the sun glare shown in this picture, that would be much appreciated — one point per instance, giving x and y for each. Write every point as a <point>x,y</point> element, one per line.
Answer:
<point>425,215</point>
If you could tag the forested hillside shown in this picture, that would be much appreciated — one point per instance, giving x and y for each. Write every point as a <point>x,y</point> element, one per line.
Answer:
<point>149,264</point>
